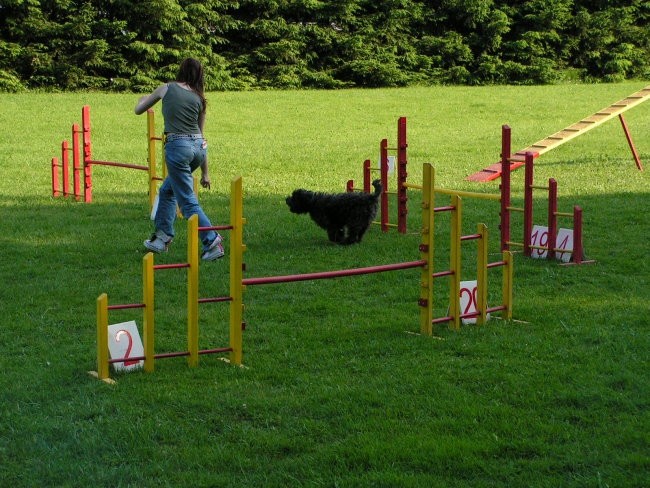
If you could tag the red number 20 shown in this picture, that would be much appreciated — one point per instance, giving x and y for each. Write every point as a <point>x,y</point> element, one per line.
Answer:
<point>472,299</point>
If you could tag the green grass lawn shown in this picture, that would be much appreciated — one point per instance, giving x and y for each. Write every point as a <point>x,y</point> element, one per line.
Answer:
<point>338,388</point>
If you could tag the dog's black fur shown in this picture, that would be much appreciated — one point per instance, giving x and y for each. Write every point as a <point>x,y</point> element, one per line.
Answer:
<point>345,216</point>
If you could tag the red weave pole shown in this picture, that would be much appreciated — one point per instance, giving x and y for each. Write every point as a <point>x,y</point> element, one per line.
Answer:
<point>366,176</point>
<point>577,235</point>
<point>55,177</point>
<point>87,150</point>
<point>630,143</point>
<point>65,165</point>
<point>333,274</point>
<point>349,186</point>
<point>528,203</point>
<point>402,161</point>
<point>552,218</point>
<point>383,161</point>
<point>171,266</point>
<point>119,165</point>
<point>76,162</point>
<point>505,186</point>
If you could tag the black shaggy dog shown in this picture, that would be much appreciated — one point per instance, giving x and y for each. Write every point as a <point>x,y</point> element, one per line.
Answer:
<point>345,216</point>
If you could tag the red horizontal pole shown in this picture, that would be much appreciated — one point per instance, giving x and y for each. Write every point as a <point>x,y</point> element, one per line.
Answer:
<point>333,274</point>
<point>448,208</point>
<point>216,351</point>
<point>170,355</point>
<point>119,165</point>
<point>470,237</point>
<point>128,305</point>
<point>442,319</point>
<point>495,309</point>
<point>496,264</point>
<point>171,266</point>
<point>215,299</point>
<point>216,227</point>
<point>440,274</point>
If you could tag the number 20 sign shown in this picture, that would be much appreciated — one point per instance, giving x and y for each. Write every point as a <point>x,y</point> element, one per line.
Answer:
<point>124,342</point>
<point>468,301</point>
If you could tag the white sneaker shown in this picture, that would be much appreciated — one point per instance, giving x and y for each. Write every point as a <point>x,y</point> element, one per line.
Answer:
<point>214,250</point>
<point>158,242</point>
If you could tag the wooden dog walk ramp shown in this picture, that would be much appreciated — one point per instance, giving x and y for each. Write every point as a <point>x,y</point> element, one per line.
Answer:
<point>493,171</point>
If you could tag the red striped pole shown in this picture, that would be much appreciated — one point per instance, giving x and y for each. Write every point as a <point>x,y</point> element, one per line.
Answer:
<point>87,150</point>
<point>383,161</point>
<point>552,218</point>
<point>76,162</point>
<point>528,203</point>
<point>505,187</point>
<point>402,161</point>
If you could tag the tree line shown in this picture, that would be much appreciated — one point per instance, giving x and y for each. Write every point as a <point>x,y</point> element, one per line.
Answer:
<point>121,45</point>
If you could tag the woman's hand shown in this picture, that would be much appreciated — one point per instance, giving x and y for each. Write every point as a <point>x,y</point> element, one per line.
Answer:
<point>205,181</point>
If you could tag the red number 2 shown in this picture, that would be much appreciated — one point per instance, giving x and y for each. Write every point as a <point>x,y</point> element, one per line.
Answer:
<point>472,299</point>
<point>119,334</point>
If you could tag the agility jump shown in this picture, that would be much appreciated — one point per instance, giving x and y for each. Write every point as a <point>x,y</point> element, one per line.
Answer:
<point>83,162</point>
<point>565,135</point>
<point>238,283</point>
<point>192,265</point>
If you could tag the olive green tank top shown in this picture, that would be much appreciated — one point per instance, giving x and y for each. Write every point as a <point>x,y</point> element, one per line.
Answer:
<point>181,109</point>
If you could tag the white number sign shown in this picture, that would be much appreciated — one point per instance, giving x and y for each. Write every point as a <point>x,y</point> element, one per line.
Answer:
<point>563,241</point>
<point>468,301</point>
<point>539,237</point>
<point>124,342</point>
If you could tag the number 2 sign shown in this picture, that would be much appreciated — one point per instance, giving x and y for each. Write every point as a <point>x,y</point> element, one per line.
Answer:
<point>124,342</point>
<point>468,301</point>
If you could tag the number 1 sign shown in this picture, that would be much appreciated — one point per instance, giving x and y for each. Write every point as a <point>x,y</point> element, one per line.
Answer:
<point>124,342</point>
<point>564,242</point>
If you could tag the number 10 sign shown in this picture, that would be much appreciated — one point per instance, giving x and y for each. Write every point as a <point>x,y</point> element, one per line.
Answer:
<point>124,342</point>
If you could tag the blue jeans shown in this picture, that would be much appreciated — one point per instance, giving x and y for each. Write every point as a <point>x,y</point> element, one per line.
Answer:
<point>183,154</point>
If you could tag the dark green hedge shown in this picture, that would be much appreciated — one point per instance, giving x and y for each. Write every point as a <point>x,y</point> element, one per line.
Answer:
<point>122,45</point>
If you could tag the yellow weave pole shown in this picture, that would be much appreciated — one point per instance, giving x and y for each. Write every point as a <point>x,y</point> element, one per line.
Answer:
<point>507,283</point>
<point>481,275</point>
<point>193,290</point>
<point>426,251</point>
<point>454,261</point>
<point>102,336</point>
<point>147,299</point>
<point>237,249</point>
<point>151,156</point>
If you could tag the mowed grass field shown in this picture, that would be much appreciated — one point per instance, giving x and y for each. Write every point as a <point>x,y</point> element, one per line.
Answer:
<point>338,388</point>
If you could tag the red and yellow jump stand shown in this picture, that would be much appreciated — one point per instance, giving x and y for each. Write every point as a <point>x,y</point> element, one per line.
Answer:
<point>193,352</point>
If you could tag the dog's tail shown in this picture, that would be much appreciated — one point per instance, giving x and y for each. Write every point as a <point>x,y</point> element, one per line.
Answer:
<point>378,187</point>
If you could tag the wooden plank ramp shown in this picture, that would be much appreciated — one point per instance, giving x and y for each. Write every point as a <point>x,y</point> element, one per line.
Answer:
<point>493,171</point>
